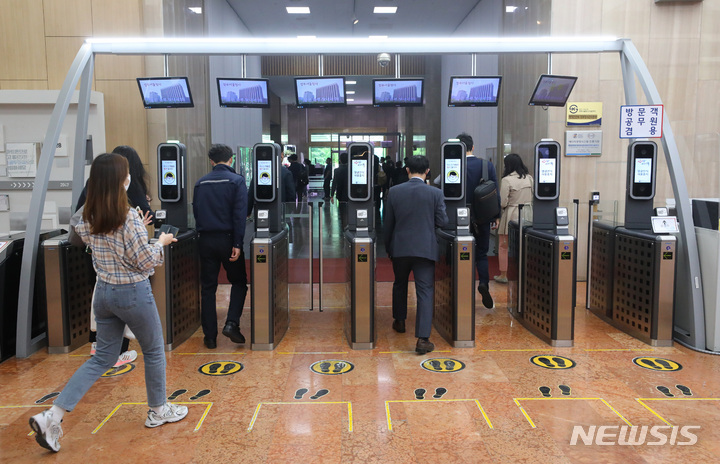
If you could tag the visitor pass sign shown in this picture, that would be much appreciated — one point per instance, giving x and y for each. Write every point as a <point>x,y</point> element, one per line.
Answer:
<point>641,121</point>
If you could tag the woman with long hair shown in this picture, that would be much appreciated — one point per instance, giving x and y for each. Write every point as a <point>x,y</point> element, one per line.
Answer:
<point>515,188</point>
<point>138,196</point>
<point>123,260</point>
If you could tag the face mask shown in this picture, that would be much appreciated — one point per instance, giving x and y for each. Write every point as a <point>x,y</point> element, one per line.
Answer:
<point>127,185</point>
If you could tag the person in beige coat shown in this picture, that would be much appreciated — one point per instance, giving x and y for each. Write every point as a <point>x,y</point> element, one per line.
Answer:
<point>516,188</point>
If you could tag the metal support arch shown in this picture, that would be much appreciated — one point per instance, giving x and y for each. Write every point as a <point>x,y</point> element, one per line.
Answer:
<point>631,61</point>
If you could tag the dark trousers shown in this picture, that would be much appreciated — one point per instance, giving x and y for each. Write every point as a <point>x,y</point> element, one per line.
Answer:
<point>482,244</point>
<point>326,187</point>
<point>216,249</point>
<point>424,271</point>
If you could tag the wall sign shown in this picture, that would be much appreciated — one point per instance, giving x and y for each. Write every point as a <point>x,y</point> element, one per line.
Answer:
<point>583,143</point>
<point>641,121</point>
<point>21,159</point>
<point>583,114</point>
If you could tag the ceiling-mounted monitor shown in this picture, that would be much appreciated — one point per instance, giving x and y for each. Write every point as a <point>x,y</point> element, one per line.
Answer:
<point>243,93</point>
<point>474,90</point>
<point>552,90</point>
<point>398,92</point>
<point>319,92</point>
<point>165,92</point>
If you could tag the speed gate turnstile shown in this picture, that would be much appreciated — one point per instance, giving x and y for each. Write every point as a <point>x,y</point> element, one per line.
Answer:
<point>359,249</point>
<point>70,280</point>
<point>268,252</point>
<point>632,269</point>
<point>11,250</point>
<point>454,315</point>
<point>542,256</point>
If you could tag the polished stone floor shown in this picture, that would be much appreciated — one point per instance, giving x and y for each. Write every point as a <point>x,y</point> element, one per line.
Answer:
<point>486,404</point>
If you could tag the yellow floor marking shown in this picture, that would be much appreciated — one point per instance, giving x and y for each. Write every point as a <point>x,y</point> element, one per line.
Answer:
<point>197,427</point>
<point>257,410</point>
<point>26,406</point>
<point>640,400</point>
<point>532,424</point>
<point>619,349</point>
<point>475,400</point>
<point>205,353</point>
<point>413,351</point>
<point>312,352</point>
<point>524,349</point>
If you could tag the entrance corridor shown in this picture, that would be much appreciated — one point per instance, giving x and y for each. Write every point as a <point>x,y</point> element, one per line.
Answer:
<point>512,398</point>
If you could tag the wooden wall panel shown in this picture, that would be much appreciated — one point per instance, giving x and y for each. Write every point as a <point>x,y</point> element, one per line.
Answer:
<point>125,120</point>
<point>23,45</point>
<point>61,52</point>
<point>23,85</point>
<point>112,18</point>
<point>68,18</point>
<point>118,67</point>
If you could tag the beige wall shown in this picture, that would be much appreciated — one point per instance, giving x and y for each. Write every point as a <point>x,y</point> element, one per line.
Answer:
<point>42,37</point>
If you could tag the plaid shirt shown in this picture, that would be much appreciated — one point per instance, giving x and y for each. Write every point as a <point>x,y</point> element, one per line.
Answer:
<point>123,256</point>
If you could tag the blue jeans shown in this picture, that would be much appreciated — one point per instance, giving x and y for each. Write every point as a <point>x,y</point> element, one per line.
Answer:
<point>116,306</point>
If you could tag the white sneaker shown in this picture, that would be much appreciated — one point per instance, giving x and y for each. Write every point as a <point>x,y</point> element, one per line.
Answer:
<point>47,431</point>
<point>126,357</point>
<point>170,413</point>
<point>93,347</point>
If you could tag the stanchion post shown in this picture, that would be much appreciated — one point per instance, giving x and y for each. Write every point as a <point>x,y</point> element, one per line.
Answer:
<point>320,255</point>
<point>311,219</point>
<point>520,257</point>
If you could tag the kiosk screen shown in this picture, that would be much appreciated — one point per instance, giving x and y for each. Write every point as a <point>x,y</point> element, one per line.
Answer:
<point>359,173</point>
<point>264,173</point>
<point>642,179</point>
<point>547,171</point>
<point>169,173</point>
<point>452,173</point>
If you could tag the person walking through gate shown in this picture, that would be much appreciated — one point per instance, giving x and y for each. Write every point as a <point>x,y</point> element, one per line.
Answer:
<point>413,210</point>
<point>220,204</point>
<point>123,260</point>
<point>481,232</point>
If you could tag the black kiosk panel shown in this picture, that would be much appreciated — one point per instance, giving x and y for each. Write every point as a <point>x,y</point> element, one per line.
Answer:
<point>360,172</point>
<point>642,168</point>
<point>170,172</point>
<point>265,171</point>
<point>547,170</point>
<point>453,167</point>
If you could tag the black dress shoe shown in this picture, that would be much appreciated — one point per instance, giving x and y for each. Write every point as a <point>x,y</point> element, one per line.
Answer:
<point>487,300</point>
<point>399,326</point>
<point>232,331</point>
<point>424,346</point>
<point>210,343</point>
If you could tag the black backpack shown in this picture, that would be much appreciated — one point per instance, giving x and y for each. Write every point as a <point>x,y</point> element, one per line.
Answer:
<point>484,203</point>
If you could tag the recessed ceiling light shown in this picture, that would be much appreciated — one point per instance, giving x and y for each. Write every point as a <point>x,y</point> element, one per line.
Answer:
<point>350,82</point>
<point>307,37</point>
<point>195,9</point>
<point>378,37</point>
<point>298,9</point>
<point>385,9</point>
<point>510,9</point>
<point>350,92</point>
<point>351,99</point>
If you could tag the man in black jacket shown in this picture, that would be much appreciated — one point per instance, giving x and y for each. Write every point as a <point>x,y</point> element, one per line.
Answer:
<point>220,204</point>
<point>413,210</point>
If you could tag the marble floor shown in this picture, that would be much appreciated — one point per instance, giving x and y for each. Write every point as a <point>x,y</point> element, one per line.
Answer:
<point>315,400</point>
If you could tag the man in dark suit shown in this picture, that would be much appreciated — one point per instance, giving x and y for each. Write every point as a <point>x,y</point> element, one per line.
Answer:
<point>327,178</point>
<point>413,211</point>
<point>481,232</point>
<point>339,189</point>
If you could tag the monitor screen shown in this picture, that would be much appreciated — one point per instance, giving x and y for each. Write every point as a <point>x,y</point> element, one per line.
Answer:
<point>552,90</point>
<point>474,91</point>
<point>547,171</point>
<point>397,92</point>
<point>359,172</point>
<point>319,91</point>
<point>169,172</point>
<point>243,93</point>
<point>165,92</point>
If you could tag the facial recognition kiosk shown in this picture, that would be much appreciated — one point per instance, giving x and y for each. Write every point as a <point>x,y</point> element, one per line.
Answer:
<point>632,271</point>
<point>172,182</point>
<point>544,255</point>
<point>359,249</point>
<point>454,316</point>
<point>268,252</point>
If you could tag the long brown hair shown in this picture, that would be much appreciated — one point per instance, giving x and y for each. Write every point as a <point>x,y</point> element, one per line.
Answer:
<point>106,206</point>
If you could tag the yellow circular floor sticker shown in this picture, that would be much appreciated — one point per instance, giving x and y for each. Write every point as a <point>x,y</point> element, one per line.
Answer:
<point>443,365</point>
<point>657,364</point>
<point>220,368</point>
<point>551,361</point>
<point>120,370</point>
<point>332,367</point>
